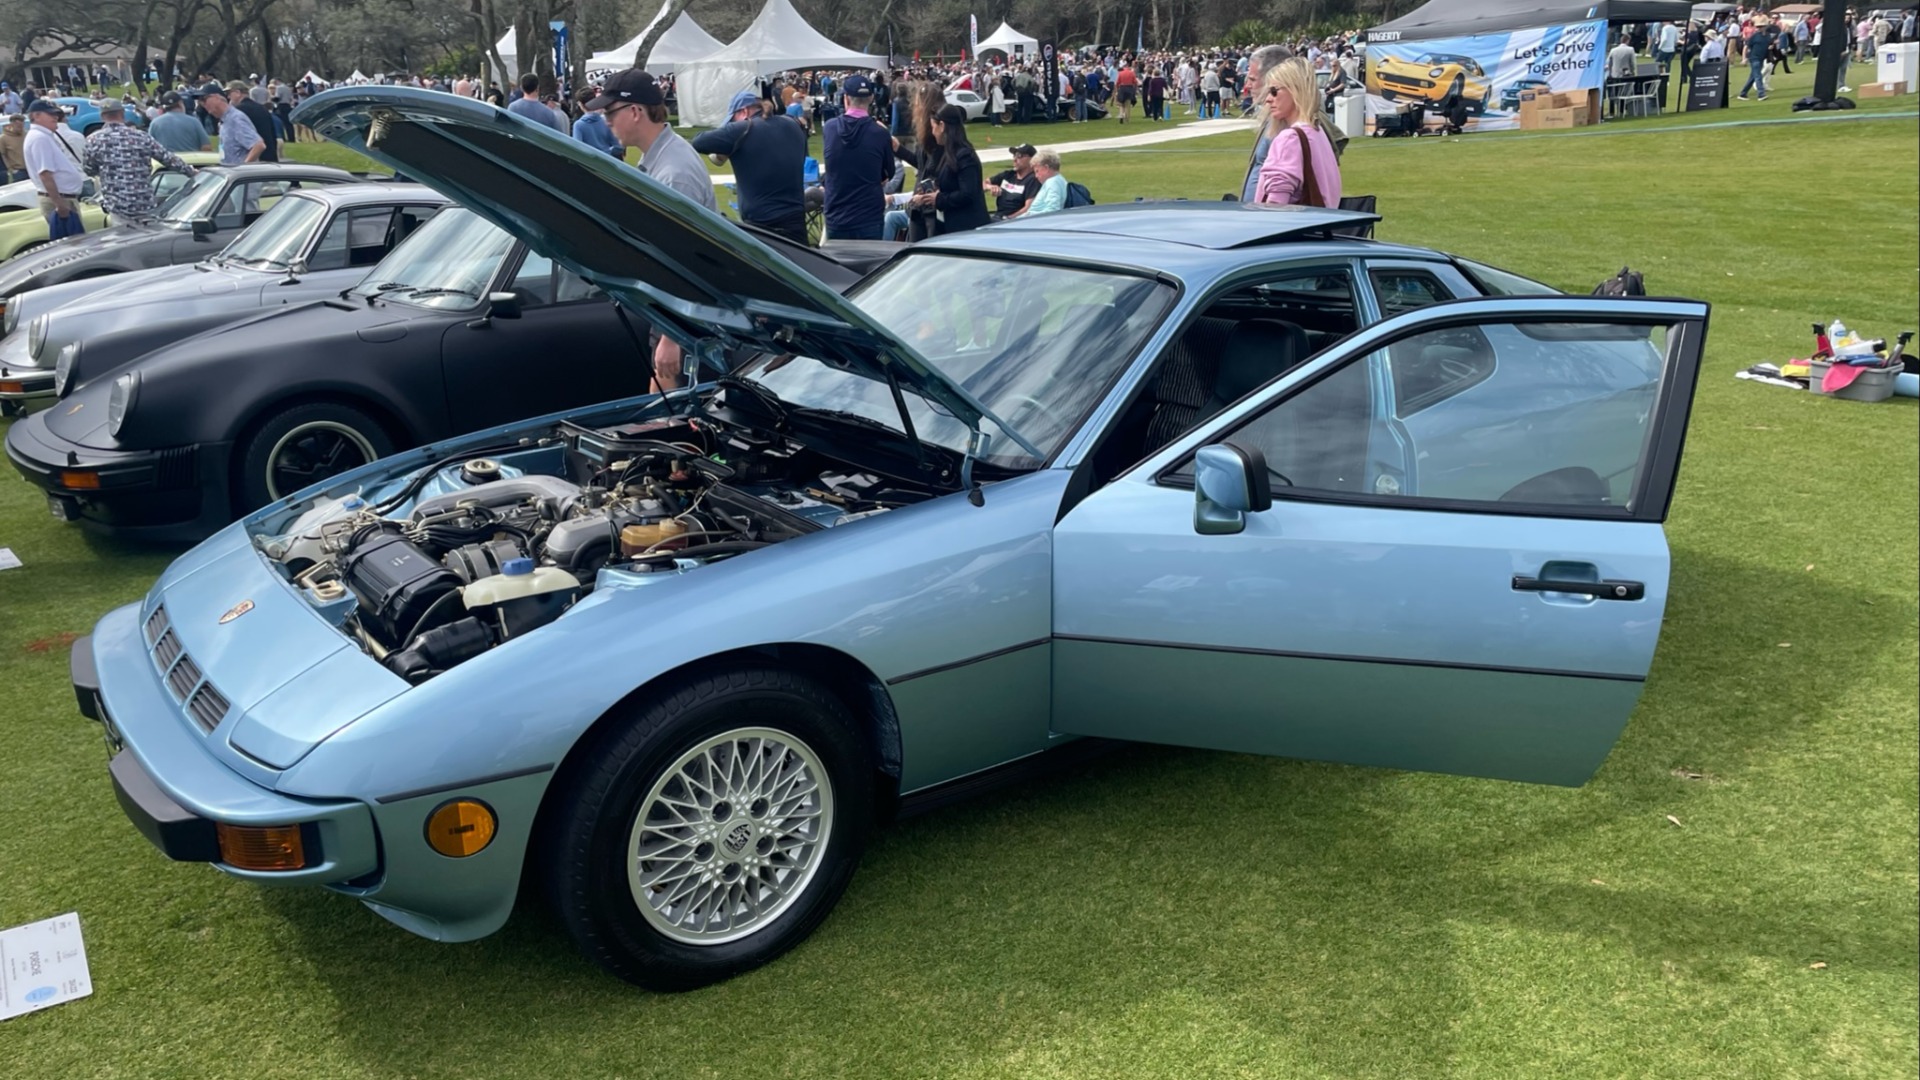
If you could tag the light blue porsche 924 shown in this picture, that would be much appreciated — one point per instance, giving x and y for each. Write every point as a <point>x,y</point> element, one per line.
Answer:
<point>1205,475</point>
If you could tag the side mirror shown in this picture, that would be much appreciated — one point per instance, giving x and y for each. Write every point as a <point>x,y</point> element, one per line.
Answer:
<point>503,305</point>
<point>1229,482</point>
<point>295,271</point>
<point>202,228</point>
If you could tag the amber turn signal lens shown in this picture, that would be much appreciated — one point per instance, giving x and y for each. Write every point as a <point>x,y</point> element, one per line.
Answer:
<point>13,387</point>
<point>460,828</point>
<point>270,847</point>
<point>89,481</point>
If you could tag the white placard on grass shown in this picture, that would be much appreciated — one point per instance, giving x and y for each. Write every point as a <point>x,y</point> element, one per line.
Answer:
<point>42,964</point>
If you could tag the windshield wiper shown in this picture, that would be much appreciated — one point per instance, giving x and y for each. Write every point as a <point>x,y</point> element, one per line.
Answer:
<point>416,292</point>
<point>840,417</point>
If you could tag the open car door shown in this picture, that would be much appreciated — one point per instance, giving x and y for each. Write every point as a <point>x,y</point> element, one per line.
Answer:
<point>1437,546</point>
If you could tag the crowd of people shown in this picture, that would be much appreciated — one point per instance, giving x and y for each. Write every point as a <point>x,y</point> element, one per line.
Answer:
<point>875,126</point>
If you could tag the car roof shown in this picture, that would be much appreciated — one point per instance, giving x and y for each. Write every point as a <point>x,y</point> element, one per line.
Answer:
<point>1165,237</point>
<point>374,192</point>
<point>270,168</point>
<point>1215,226</point>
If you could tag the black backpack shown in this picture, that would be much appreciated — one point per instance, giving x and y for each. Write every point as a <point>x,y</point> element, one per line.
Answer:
<point>1078,195</point>
<point>1627,282</point>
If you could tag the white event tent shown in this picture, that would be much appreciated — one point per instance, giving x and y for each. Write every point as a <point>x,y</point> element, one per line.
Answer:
<point>779,40</point>
<point>683,41</point>
<point>1012,42</point>
<point>510,56</point>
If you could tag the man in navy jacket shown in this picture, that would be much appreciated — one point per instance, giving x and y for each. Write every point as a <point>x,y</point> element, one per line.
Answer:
<point>859,160</point>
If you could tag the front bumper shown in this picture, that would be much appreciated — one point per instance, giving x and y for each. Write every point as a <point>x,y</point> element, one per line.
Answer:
<point>175,792</point>
<point>178,493</point>
<point>25,384</point>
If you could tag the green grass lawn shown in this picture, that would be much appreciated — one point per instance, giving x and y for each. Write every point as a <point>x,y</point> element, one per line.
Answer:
<point>1734,895</point>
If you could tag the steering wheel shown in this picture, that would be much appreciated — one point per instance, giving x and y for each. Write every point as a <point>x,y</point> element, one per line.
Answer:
<point>1041,407</point>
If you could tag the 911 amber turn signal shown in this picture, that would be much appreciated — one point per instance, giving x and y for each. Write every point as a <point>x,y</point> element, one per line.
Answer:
<point>460,828</point>
<point>269,847</point>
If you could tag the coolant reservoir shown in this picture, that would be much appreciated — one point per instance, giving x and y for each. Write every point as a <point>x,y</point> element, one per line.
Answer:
<point>521,597</point>
<point>517,578</point>
<point>635,539</point>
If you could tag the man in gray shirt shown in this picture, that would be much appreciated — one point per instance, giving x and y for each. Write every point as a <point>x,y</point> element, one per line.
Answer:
<point>175,130</point>
<point>528,104</point>
<point>240,141</point>
<point>636,110</point>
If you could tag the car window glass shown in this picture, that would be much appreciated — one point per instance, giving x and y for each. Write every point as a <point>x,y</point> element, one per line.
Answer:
<point>245,202</point>
<point>280,234</point>
<point>448,264</point>
<point>1400,290</point>
<point>1495,282</point>
<point>570,286</point>
<point>534,280</point>
<point>1560,419</point>
<point>354,238</point>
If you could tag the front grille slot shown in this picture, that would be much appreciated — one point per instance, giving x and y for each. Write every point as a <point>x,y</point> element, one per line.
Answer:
<point>183,677</point>
<point>156,624</point>
<point>166,650</point>
<point>208,707</point>
<point>173,469</point>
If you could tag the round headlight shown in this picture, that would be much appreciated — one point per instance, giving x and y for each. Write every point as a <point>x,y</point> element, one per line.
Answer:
<point>12,319</point>
<point>1436,73</point>
<point>36,335</point>
<point>63,368</point>
<point>120,401</point>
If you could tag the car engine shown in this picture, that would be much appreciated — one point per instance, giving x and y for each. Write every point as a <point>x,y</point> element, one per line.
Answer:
<point>426,583</point>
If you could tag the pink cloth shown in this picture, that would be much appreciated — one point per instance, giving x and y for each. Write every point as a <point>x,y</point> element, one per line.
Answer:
<point>1283,176</point>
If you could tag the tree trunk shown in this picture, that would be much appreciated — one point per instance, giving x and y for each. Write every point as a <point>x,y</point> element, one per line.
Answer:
<point>669,12</point>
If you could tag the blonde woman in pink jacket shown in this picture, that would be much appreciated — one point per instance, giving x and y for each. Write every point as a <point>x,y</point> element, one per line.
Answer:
<point>1300,166</point>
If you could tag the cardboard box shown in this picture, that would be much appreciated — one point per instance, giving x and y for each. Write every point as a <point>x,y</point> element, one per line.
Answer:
<point>1551,119</point>
<point>1879,90</point>
<point>1568,99</point>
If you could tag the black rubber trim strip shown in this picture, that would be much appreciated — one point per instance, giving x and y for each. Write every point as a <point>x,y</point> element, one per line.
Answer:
<point>1052,760</point>
<point>994,655</point>
<point>1395,661</point>
<point>402,796</point>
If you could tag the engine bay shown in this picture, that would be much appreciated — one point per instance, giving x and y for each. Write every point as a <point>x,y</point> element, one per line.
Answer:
<point>474,552</point>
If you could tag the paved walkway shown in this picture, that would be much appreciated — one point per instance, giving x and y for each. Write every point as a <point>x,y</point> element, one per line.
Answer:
<point>1149,134</point>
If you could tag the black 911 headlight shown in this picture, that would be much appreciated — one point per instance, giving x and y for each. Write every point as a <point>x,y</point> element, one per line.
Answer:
<point>63,368</point>
<point>120,401</point>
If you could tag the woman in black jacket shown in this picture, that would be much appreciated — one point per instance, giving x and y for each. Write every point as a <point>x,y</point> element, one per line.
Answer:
<point>959,199</point>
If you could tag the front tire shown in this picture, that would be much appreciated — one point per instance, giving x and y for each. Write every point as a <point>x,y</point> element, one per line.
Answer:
<point>709,831</point>
<point>304,445</point>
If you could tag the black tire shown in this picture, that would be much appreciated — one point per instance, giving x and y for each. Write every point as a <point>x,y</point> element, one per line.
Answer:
<point>302,445</point>
<point>592,824</point>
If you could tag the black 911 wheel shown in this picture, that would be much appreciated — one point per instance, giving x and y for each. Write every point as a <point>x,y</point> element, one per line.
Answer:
<point>710,830</point>
<point>304,445</point>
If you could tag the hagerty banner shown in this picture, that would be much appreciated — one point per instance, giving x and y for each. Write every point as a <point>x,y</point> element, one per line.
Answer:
<point>1487,72</point>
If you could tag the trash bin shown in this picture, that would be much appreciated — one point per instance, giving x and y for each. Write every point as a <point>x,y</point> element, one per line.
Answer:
<point>1899,63</point>
<point>1350,113</point>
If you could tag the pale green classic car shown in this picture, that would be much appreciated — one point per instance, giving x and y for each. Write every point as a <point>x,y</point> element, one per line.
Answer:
<point>24,228</point>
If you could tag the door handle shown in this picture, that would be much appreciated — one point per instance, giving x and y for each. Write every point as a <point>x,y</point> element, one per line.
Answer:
<point>1599,590</point>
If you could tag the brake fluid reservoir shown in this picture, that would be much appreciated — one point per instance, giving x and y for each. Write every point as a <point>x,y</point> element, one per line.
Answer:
<point>635,539</point>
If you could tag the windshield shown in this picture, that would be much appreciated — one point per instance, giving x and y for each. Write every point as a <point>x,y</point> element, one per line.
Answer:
<point>1037,345</point>
<point>195,200</point>
<point>279,236</point>
<point>448,263</point>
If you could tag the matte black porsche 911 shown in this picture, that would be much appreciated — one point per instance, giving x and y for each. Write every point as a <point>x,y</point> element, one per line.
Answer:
<point>460,328</point>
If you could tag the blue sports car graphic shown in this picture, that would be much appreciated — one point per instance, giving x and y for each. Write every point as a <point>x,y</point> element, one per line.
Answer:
<point>1254,487</point>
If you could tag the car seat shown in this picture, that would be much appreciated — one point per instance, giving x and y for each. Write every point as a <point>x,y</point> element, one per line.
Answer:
<point>1575,485</point>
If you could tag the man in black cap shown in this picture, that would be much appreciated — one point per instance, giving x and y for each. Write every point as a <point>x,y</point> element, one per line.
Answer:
<point>1014,188</point>
<point>54,169</point>
<point>859,162</point>
<point>636,110</point>
<point>769,157</point>
<point>175,130</point>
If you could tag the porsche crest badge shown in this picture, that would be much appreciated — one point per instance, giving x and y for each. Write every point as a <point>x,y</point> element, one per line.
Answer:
<point>236,611</point>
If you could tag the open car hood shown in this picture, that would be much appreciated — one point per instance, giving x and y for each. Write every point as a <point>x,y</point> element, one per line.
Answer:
<point>682,265</point>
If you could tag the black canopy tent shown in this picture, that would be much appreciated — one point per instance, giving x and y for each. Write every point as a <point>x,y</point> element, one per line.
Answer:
<point>1461,18</point>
